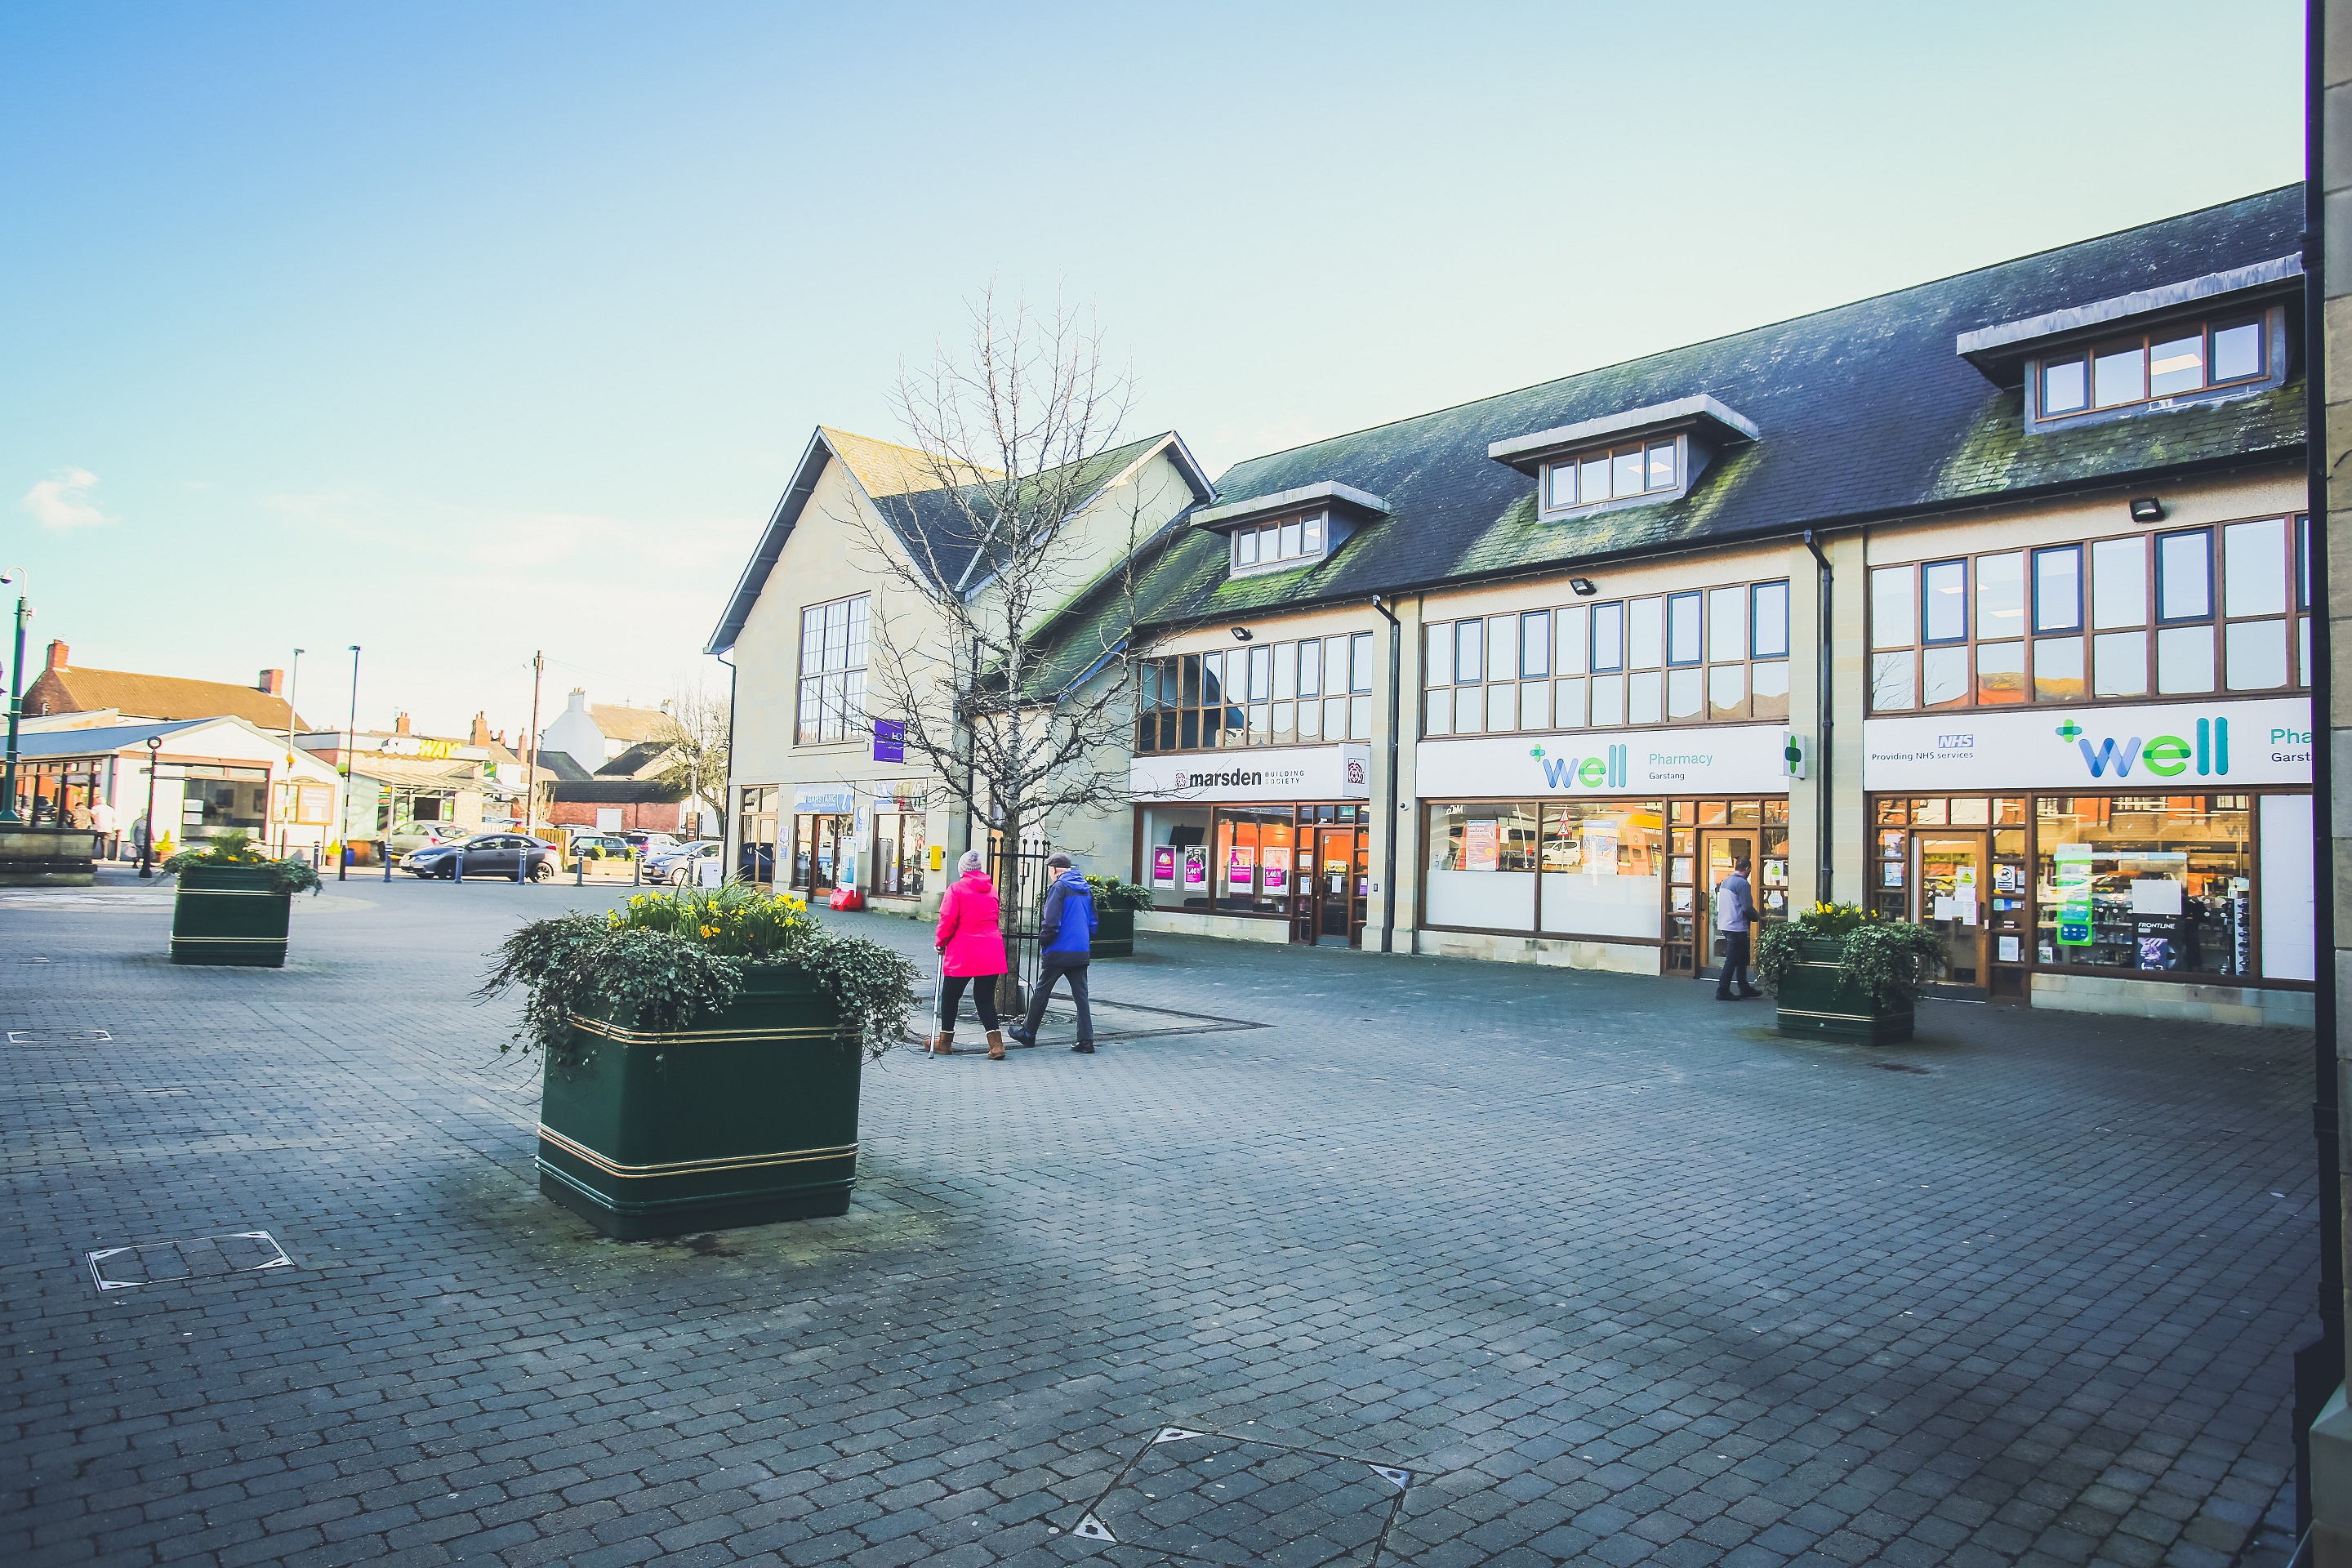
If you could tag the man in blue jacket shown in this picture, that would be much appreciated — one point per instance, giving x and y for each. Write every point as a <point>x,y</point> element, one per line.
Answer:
<point>1066,934</point>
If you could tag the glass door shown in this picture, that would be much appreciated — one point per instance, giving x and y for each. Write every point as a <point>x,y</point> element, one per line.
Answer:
<point>1335,886</point>
<point>1719,851</point>
<point>1951,894</point>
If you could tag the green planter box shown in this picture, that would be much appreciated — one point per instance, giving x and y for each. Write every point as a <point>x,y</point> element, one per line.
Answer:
<point>1815,1002</point>
<point>748,1118</point>
<point>1114,933</point>
<point>229,915</point>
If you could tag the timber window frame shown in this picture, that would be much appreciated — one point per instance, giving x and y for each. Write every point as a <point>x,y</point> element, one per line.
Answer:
<point>831,706</point>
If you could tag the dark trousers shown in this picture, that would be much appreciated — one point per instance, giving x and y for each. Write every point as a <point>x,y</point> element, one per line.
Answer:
<point>983,1000</point>
<point>1734,978</point>
<point>1057,967</point>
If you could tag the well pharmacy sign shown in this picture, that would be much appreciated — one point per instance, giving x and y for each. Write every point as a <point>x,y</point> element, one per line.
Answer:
<point>2180,745</point>
<point>1729,759</point>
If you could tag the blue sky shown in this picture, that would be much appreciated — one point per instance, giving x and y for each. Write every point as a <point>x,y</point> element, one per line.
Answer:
<point>459,332</point>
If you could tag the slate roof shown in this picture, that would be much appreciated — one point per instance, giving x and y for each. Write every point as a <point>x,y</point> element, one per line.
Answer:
<point>1863,411</point>
<point>93,743</point>
<point>559,766</point>
<point>938,533</point>
<point>634,761</point>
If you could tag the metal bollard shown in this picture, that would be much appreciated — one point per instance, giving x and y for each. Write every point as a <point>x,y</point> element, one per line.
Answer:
<point>385,851</point>
<point>344,865</point>
<point>522,864</point>
<point>637,870</point>
<point>579,868</point>
<point>458,866</point>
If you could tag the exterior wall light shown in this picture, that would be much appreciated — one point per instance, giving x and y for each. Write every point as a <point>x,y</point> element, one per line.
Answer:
<point>1581,587</point>
<point>2147,508</point>
<point>1241,634</point>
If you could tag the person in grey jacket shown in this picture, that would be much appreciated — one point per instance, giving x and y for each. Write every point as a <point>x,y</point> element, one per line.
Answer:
<point>1066,932</point>
<point>1734,918</point>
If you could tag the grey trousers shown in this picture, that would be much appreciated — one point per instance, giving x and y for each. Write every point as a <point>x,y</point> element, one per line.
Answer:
<point>1055,967</point>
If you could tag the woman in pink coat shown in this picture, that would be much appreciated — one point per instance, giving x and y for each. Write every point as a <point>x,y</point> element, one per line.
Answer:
<point>971,947</point>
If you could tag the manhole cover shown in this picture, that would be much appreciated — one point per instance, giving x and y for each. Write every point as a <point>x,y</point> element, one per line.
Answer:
<point>1210,1497</point>
<point>58,1036</point>
<point>160,1263</point>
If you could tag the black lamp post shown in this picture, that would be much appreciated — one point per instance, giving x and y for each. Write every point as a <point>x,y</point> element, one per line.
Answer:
<point>147,835</point>
<point>16,701</point>
<point>351,739</point>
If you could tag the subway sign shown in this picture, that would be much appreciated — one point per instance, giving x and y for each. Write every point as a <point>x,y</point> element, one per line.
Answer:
<point>2264,741</point>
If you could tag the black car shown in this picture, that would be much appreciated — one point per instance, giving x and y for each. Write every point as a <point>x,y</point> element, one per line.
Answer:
<point>491,855</point>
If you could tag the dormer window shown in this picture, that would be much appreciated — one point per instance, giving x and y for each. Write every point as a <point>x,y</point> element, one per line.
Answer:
<point>2195,341</point>
<point>1289,529</point>
<point>1612,473</point>
<point>1279,544</point>
<point>1632,457</point>
<point>2170,362</point>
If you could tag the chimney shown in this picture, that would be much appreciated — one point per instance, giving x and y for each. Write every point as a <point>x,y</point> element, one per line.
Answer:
<point>399,723</point>
<point>578,701</point>
<point>57,652</point>
<point>273,681</point>
<point>481,735</point>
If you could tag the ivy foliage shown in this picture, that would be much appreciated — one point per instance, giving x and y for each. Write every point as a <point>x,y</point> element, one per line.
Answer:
<point>1110,893</point>
<point>665,961</point>
<point>235,847</point>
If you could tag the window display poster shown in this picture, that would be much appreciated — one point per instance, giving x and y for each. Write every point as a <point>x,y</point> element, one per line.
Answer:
<point>2154,896</point>
<point>1196,865</point>
<point>1163,866</point>
<point>2072,877</point>
<point>1601,847</point>
<point>1481,847</point>
<point>1275,878</point>
<point>2009,948</point>
<point>1890,875</point>
<point>2006,877</point>
<point>1241,868</point>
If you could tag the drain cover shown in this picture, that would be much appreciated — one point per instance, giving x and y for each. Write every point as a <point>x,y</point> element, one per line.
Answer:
<point>57,1037</point>
<point>1214,1498</point>
<point>161,1263</point>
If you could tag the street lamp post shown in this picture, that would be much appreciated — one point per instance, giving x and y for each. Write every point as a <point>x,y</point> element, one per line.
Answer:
<point>16,699</point>
<point>147,833</point>
<point>286,821</point>
<point>344,810</point>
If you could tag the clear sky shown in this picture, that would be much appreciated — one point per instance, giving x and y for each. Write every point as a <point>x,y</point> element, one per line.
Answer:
<point>463,330</point>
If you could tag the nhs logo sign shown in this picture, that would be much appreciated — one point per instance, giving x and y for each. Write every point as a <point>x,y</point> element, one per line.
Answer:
<point>2266,741</point>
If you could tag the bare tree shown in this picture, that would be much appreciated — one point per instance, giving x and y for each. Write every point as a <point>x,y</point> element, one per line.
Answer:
<point>698,732</point>
<point>1007,650</point>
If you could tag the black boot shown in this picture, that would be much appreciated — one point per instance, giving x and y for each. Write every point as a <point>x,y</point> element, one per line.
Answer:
<point>1083,1047</point>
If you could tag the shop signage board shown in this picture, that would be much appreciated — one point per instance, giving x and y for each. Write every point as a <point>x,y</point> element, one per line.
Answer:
<point>2171,745</point>
<point>889,740</point>
<point>1729,758</point>
<point>838,798</point>
<point>1255,772</point>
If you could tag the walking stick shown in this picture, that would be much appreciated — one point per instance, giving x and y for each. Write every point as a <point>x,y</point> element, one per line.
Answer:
<point>938,984</point>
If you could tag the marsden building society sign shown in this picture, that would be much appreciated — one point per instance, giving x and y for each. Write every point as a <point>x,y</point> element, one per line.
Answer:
<point>2174,747</point>
<point>1729,758</point>
<point>1255,773</point>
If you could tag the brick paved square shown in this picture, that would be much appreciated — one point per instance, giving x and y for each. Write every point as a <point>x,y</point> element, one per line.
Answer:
<point>1615,1271</point>
<point>1211,1497</point>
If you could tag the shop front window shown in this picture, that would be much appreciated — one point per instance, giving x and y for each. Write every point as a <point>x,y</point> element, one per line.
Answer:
<point>1482,866</point>
<point>1176,857</point>
<point>1255,860</point>
<point>755,860</point>
<point>899,854</point>
<point>2146,883</point>
<point>1602,864</point>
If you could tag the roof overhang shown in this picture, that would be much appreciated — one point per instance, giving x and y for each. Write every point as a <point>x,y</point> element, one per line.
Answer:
<point>1327,493</point>
<point>1702,415</point>
<point>2000,350</point>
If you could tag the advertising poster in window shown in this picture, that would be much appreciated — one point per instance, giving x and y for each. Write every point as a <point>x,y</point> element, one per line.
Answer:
<point>1276,877</point>
<point>2072,877</point>
<point>1481,849</point>
<point>1196,866</point>
<point>1163,866</point>
<point>1241,870</point>
<point>1601,847</point>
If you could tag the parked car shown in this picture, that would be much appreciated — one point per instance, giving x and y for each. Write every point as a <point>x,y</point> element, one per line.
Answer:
<point>408,836</point>
<point>677,865</point>
<point>602,847</point>
<point>649,842</point>
<point>488,854</point>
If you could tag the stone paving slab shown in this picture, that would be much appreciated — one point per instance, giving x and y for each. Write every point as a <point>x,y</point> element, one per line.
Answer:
<point>1614,1272</point>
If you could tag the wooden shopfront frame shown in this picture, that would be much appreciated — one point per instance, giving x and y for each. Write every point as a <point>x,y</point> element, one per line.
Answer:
<point>1692,832</point>
<point>2012,826</point>
<point>1318,910</point>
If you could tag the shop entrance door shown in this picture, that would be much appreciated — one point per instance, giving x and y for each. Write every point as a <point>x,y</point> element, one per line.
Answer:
<point>1951,891</point>
<point>816,853</point>
<point>1343,861</point>
<point>1719,849</point>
